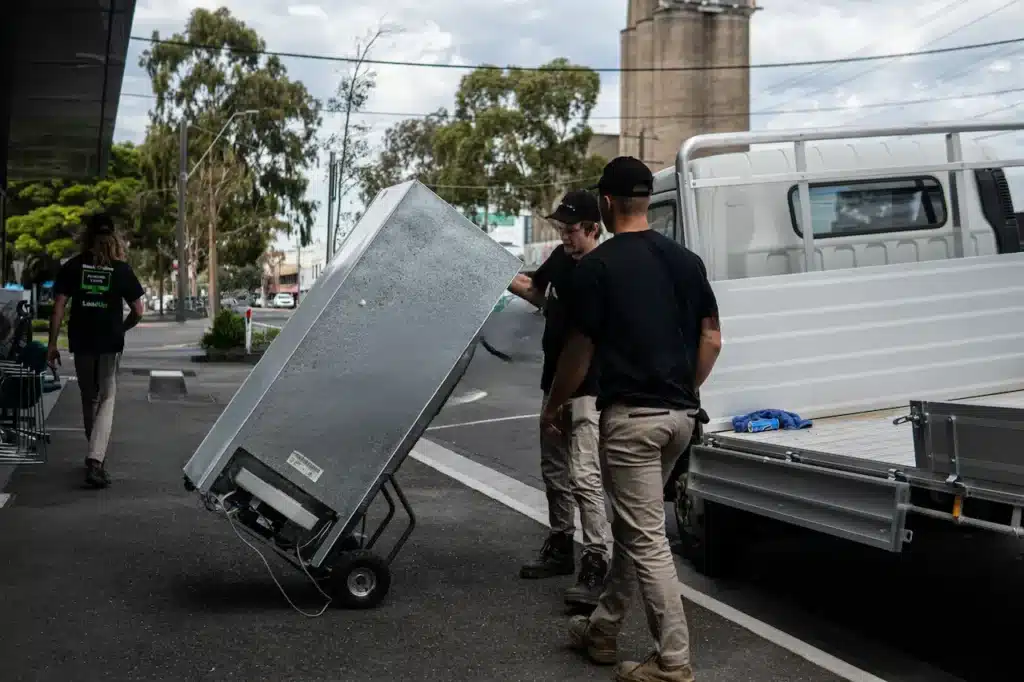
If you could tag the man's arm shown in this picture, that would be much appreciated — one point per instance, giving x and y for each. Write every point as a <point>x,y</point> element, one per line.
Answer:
<point>132,293</point>
<point>134,314</point>
<point>573,364</point>
<point>57,318</point>
<point>710,329</point>
<point>523,287</point>
<point>709,348</point>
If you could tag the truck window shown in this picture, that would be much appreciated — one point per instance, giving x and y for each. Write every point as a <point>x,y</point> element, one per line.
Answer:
<point>872,206</point>
<point>662,218</point>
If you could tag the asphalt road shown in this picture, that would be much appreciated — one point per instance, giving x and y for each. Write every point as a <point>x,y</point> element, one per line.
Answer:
<point>139,582</point>
<point>940,611</point>
<point>944,611</point>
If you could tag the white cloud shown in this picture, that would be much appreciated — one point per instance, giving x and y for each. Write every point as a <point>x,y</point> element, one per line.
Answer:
<point>533,31</point>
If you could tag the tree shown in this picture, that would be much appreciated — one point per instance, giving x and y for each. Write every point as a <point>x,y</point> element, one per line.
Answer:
<point>212,70</point>
<point>47,216</point>
<point>351,146</point>
<point>516,140</point>
<point>407,153</point>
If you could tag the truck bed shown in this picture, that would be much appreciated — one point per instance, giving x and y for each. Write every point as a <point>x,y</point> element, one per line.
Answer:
<point>866,435</point>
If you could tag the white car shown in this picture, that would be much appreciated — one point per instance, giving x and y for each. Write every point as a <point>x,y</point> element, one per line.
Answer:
<point>284,300</point>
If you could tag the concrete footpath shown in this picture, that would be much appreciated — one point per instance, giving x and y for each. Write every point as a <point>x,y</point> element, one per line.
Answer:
<point>140,582</point>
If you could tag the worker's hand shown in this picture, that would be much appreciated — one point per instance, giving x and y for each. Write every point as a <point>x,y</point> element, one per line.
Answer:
<point>52,356</point>
<point>550,421</point>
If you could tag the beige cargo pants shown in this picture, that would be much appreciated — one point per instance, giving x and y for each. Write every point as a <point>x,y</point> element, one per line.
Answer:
<point>639,448</point>
<point>97,382</point>
<point>571,469</point>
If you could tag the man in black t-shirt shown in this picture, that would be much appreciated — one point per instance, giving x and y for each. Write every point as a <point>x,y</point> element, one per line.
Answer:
<point>99,282</point>
<point>569,461</point>
<point>649,322</point>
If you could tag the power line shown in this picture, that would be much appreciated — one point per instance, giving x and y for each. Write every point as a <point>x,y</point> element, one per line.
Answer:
<point>471,67</point>
<point>876,67</point>
<point>796,80</point>
<point>760,112</point>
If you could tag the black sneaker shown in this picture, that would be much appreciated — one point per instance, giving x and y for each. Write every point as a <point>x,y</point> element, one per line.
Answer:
<point>95,474</point>
<point>556,558</point>
<point>590,584</point>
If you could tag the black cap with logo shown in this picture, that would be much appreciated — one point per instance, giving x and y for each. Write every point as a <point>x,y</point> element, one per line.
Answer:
<point>576,206</point>
<point>626,176</point>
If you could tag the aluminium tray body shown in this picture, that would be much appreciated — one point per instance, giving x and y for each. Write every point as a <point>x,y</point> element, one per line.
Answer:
<point>369,356</point>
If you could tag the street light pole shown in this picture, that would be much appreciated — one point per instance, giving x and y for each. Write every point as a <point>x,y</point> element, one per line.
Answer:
<point>179,309</point>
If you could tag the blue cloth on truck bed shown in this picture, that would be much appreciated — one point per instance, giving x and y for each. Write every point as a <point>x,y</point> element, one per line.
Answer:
<point>787,420</point>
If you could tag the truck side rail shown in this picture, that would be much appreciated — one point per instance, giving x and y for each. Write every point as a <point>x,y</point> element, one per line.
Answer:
<point>850,498</point>
<point>687,184</point>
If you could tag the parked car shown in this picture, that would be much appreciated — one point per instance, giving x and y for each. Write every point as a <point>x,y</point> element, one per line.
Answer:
<point>284,300</point>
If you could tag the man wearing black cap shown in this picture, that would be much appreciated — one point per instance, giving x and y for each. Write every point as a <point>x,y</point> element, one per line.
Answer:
<point>649,322</point>
<point>569,460</point>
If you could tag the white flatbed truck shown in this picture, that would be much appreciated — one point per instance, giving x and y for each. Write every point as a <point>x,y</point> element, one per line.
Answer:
<point>896,324</point>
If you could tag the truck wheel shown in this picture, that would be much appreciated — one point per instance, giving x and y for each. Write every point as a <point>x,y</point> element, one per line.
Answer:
<point>704,532</point>
<point>358,580</point>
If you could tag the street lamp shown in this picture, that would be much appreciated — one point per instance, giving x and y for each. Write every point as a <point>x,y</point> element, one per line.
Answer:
<point>183,176</point>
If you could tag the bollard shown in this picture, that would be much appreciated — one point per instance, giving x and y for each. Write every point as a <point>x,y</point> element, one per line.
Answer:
<point>248,331</point>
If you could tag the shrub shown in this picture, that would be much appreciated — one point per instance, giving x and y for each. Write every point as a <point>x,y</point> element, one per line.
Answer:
<point>262,339</point>
<point>40,325</point>
<point>227,332</point>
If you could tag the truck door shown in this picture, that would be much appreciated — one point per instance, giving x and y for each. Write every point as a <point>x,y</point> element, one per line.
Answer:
<point>997,207</point>
<point>661,216</point>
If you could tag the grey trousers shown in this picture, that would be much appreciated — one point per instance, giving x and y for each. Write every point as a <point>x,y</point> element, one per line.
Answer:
<point>571,470</point>
<point>639,448</point>
<point>97,382</point>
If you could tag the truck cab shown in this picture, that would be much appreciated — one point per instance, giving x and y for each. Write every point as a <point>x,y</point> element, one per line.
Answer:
<point>749,214</point>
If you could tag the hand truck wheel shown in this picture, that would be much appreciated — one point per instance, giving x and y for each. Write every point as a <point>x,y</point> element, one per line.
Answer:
<point>358,580</point>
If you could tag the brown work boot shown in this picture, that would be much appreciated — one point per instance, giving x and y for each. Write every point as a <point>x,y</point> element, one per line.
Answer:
<point>651,671</point>
<point>599,647</point>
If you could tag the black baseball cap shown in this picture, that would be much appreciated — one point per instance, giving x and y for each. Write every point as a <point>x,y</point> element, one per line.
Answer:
<point>576,206</point>
<point>626,176</point>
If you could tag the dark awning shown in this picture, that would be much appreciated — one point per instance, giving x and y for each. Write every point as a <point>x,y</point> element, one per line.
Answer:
<point>63,63</point>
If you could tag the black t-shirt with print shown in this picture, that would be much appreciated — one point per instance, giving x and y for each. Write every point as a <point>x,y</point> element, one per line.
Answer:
<point>646,297</point>
<point>97,296</point>
<point>557,271</point>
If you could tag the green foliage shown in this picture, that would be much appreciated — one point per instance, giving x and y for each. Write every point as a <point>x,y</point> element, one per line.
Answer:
<point>523,134</point>
<point>247,277</point>
<point>46,217</point>
<point>209,73</point>
<point>262,339</point>
<point>227,332</point>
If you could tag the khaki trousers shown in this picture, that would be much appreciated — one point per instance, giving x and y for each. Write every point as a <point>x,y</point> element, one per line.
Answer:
<point>97,382</point>
<point>639,448</point>
<point>571,469</point>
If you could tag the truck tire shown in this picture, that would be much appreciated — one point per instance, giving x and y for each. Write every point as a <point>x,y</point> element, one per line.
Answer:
<point>707,533</point>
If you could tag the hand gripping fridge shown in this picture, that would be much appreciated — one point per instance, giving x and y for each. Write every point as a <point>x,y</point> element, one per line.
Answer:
<point>339,399</point>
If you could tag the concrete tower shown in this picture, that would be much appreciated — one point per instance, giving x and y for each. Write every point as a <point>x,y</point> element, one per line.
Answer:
<point>682,33</point>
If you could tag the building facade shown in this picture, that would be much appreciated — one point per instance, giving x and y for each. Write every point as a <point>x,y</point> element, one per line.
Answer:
<point>659,110</point>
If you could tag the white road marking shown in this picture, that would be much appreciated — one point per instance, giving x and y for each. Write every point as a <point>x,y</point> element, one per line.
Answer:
<point>468,397</point>
<point>484,421</point>
<point>532,503</point>
<point>4,499</point>
<point>175,346</point>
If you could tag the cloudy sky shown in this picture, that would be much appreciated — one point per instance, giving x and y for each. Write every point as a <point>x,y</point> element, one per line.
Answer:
<point>530,32</point>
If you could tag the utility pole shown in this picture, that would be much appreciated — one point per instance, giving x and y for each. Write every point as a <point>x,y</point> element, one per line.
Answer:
<point>330,208</point>
<point>179,310</point>
<point>298,266</point>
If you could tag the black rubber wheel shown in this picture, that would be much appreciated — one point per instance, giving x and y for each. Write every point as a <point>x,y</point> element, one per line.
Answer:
<point>358,580</point>
<point>709,534</point>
